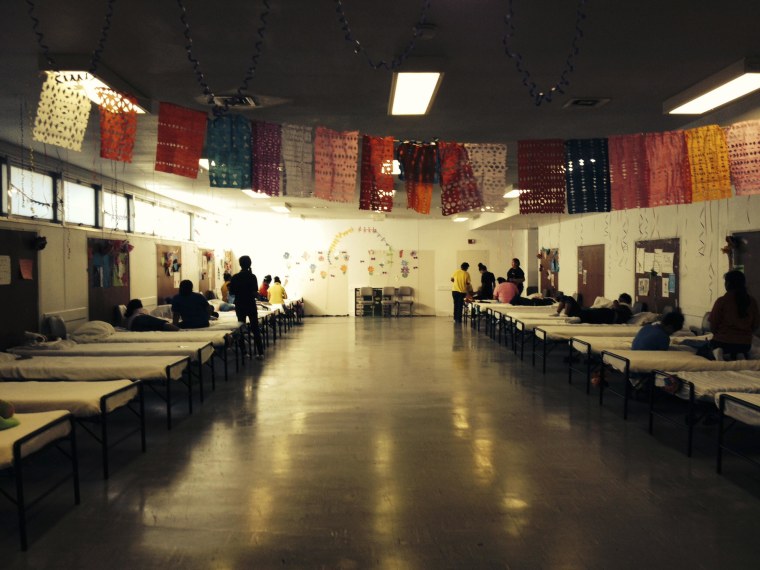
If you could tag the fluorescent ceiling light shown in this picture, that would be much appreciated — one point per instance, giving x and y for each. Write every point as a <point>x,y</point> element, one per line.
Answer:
<point>96,90</point>
<point>514,193</point>
<point>734,82</point>
<point>459,219</point>
<point>413,93</point>
<point>255,195</point>
<point>281,208</point>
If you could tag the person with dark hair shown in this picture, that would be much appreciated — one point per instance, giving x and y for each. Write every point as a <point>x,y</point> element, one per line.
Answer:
<point>245,287</point>
<point>225,290</point>
<point>264,289</point>
<point>656,336</point>
<point>619,313</point>
<point>734,319</point>
<point>461,288</point>
<point>190,310</point>
<point>138,319</point>
<point>505,291</point>
<point>516,275</point>
<point>276,293</point>
<point>487,283</point>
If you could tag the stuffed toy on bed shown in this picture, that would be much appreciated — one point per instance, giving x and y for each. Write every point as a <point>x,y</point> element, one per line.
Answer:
<point>6,415</point>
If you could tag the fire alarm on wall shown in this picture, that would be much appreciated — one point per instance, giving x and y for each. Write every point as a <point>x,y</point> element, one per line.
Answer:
<point>471,241</point>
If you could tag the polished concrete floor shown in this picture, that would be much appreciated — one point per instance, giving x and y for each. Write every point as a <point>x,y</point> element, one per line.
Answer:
<point>399,443</point>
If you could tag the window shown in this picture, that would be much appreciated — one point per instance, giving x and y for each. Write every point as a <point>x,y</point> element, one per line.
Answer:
<point>115,211</point>
<point>174,224</point>
<point>145,217</point>
<point>78,204</point>
<point>31,194</point>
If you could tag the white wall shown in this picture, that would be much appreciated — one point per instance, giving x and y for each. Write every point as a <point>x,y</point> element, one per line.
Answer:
<point>701,228</point>
<point>324,260</point>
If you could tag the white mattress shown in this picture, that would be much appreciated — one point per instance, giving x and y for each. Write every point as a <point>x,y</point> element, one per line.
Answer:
<point>739,412</point>
<point>568,331</point>
<point>28,424</point>
<point>80,398</point>
<point>189,349</point>
<point>617,343</point>
<point>90,368</point>
<point>708,384</point>
<point>673,361</point>
<point>215,337</point>
<point>531,323</point>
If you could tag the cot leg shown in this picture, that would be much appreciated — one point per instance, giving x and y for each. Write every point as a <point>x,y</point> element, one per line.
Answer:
<point>601,384</point>
<point>141,396</point>
<point>20,504</point>
<point>168,404</point>
<point>189,391</point>
<point>104,440</point>
<point>200,378</point>
<point>690,428</point>
<point>626,396</point>
<point>213,374</point>
<point>719,454</point>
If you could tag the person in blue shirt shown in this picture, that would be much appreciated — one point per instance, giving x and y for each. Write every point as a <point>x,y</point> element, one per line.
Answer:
<point>657,336</point>
<point>190,310</point>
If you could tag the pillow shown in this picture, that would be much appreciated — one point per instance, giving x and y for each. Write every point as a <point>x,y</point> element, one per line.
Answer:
<point>162,312</point>
<point>602,303</point>
<point>644,318</point>
<point>92,332</point>
<point>60,344</point>
<point>6,357</point>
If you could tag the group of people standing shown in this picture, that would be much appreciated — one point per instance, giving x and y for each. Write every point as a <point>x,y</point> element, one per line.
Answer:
<point>505,292</point>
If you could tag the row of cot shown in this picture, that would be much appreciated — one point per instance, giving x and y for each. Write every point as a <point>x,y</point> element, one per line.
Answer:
<point>602,354</point>
<point>80,381</point>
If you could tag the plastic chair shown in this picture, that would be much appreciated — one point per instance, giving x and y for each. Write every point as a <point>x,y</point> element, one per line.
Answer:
<point>388,301</point>
<point>404,301</point>
<point>365,301</point>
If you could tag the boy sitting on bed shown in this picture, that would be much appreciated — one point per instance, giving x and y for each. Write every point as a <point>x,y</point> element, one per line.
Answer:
<point>190,310</point>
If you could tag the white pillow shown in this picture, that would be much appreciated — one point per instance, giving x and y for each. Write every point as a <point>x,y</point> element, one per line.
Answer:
<point>602,303</point>
<point>644,318</point>
<point>92,332</point>
<point>162,312</point>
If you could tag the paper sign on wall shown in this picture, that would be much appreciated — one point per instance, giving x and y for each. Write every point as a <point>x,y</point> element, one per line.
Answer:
<point>640,260</point>
<point>5,269</point>
<point>643,288</point>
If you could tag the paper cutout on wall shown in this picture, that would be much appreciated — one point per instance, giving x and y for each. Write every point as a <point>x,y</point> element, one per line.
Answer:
<point>323,274</point>
<point>370,269</point>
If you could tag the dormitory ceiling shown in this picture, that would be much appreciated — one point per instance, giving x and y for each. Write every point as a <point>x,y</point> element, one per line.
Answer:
<point>636,54</point>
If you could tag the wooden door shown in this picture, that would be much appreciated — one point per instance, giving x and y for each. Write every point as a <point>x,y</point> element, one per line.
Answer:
<point>168,271</point>
<point>19,285</point>
<point>108,278</point>
<point>590,273</point>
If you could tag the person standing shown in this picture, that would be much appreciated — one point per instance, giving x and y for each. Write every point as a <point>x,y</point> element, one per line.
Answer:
<point>461,287</point>
<point>487,282</point>
<point>516,275</point>
<point>245,287</point>
<point>734,319</point>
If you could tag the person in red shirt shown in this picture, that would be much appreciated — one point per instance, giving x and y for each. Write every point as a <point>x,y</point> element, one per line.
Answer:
<point>264,288</point>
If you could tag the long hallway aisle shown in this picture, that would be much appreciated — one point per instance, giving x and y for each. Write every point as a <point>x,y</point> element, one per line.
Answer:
<point>399,444</point>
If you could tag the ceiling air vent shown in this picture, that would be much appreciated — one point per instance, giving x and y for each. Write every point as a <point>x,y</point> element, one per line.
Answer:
<point>237,101</point>
<point>586,102</point>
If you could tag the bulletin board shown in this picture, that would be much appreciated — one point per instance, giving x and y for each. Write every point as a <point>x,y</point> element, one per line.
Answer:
<point>19,286</point>
<point>656,282</point>
<point>108,277</point>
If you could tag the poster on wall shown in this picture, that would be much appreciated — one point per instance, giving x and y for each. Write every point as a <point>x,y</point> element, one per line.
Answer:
<point>643,288</point>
